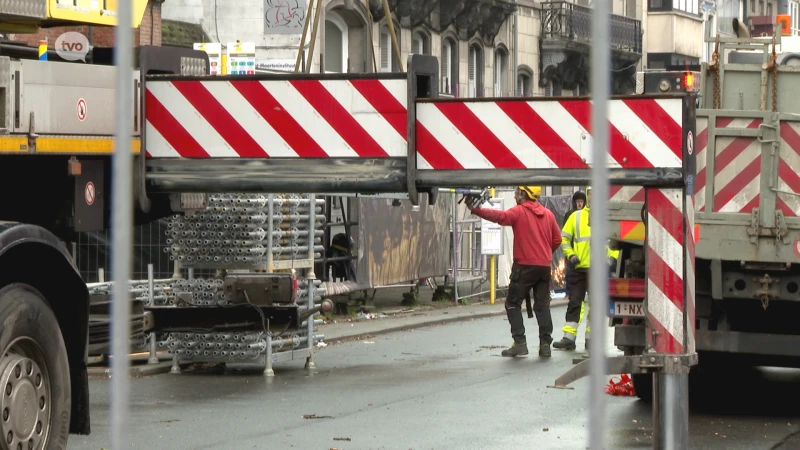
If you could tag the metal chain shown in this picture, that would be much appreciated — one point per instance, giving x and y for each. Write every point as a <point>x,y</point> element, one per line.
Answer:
<point>774,68</point>
<point>714,66</point>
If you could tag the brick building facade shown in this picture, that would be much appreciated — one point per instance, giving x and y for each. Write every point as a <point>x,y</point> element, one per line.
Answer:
<point>148,33</point>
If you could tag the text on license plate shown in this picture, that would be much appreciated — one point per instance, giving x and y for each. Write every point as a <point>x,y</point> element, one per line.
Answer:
<point>626,309</point>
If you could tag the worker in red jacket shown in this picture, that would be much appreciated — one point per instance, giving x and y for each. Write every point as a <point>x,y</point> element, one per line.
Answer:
<point>536,237</point>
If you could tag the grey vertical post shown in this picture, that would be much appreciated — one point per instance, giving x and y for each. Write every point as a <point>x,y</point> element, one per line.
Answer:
<point>455,253</point>
<point>312,219</point>
<point>270,264</point>
<point>268,371</point>
<point>122,224</point>
<point>101,275</point>
<point>151,296</point>
<point>598,272</point>
<point>674,412</point>
<point>270,230</point>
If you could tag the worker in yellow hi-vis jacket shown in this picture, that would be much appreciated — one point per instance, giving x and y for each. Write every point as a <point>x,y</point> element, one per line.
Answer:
<point>575,243</point>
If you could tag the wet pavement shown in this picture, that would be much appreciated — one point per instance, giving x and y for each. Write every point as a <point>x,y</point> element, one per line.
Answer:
<point>437,387</point>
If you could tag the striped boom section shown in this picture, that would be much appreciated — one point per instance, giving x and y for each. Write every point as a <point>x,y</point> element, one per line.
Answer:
<point>690,268</point>
<point>789,168</point>
<point>358,118</point>
<point>513,134</point>
<point>665,273</point>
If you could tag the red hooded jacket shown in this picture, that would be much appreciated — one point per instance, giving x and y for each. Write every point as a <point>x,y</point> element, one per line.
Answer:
<point>536,232</point>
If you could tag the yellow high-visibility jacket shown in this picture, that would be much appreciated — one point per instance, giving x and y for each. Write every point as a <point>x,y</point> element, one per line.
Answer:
<point>576,236</point>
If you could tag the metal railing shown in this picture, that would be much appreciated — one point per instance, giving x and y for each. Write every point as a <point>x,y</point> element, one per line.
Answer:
<point>573,22</point>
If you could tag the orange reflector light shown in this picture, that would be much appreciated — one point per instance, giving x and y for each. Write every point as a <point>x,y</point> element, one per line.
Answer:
<point>626,288</point>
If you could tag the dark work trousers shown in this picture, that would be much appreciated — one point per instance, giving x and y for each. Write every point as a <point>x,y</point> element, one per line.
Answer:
<point>523,279</point>
<point>578,282</point>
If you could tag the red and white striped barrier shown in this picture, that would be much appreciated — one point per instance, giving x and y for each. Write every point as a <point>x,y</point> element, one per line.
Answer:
<point>300,118</point>
<point>666,277</point>
<point>513,134</point>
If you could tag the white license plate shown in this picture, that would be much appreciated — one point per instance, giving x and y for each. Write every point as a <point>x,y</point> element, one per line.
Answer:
<point>628,309</point>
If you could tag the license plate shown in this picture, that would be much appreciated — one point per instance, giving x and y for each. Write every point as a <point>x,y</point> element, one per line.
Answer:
<point>628,309</point>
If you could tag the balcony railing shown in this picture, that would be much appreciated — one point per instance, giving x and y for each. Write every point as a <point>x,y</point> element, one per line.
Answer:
<point>564,20</point>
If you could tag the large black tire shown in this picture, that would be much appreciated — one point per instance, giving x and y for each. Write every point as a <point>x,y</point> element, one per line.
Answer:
<point>35,397</point>
<point>643,385</point>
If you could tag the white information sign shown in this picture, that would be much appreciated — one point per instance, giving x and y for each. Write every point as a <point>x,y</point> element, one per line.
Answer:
<point>214,50</point>
<point>241,58</point>
<point>492,233</point>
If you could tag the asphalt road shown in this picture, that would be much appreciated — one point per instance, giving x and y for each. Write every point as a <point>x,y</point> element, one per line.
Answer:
<point>436,387</point>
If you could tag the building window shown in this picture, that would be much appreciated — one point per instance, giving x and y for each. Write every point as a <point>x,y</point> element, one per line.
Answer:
<point>420,44</point>
<point>335,44</point>
<point>475,70</point>
<point>388,62</point>
<point>449,70</point>
<point>524,84</point>
<point>687,6</point>
<point>769,10</point>
<point>500,72</point>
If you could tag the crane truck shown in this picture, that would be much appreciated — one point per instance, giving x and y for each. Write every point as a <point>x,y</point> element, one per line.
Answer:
<point>746,213</point>
<point>196,134</point>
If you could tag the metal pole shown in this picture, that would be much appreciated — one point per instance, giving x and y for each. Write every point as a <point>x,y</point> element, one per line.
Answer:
<point>312,218</point>
<point>492,260</point>
<point>150,295</point>
<point>271,230</point>
<point>598,273</point>
<point>674,412</point>
<point>455,254</point>
<point>122,224</point>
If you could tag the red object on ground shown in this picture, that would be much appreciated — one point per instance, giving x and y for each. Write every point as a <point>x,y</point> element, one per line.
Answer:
<point>622,387</point>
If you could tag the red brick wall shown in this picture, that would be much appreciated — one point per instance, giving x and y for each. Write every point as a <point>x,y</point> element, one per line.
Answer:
<point>104,36</point>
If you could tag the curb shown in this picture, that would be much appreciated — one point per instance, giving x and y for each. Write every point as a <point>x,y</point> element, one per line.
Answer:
<point>428,323</point>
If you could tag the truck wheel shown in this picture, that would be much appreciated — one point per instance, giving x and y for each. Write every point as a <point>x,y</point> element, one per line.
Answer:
<point>643,385</point>
<point>35,400</point>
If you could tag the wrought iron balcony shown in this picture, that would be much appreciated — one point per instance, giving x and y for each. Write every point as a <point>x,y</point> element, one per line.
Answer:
<point>571,22</point>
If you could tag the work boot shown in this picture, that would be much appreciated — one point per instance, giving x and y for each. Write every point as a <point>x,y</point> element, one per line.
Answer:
<point>565,344</point>
<point>544,350</point>
<point>517,349</point>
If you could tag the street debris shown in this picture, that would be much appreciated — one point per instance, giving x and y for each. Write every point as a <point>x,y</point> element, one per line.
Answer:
<point>342,439</point>
<point>314,416</point>
<point>321,344</point>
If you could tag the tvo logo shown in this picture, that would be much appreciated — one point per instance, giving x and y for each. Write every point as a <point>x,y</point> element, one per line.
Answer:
<point>72,46</point>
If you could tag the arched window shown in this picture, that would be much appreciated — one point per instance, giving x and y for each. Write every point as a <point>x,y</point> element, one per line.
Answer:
<point>501,72</point>
<point>420,44</point>
<point>449,70</point>
<point>388,61</point>
<point>475,68</point>
<point>524,84</point>
<point>336,44</point>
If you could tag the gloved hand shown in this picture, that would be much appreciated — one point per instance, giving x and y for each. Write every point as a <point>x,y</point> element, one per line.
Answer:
<point>472,202</point>
<point>573,259</point>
